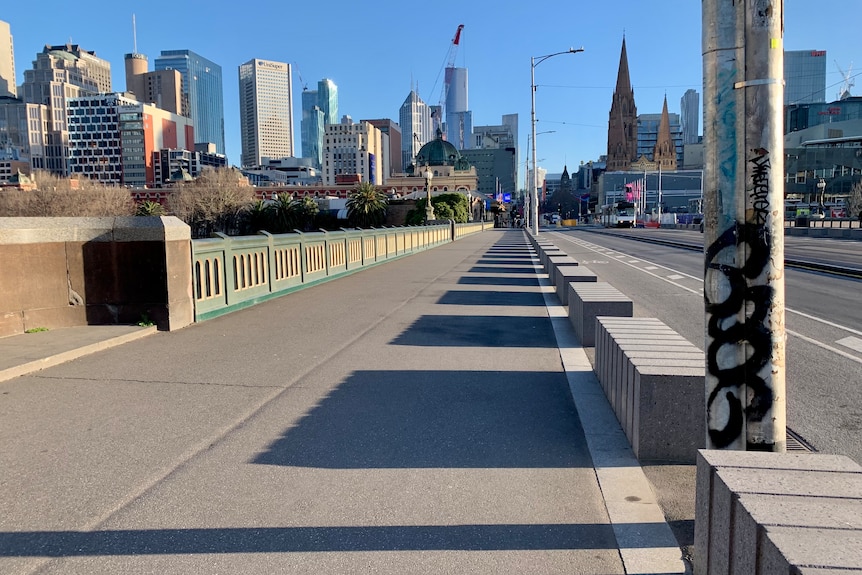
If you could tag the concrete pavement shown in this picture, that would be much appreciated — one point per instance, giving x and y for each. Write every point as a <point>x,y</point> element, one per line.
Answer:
<point>416,417</point>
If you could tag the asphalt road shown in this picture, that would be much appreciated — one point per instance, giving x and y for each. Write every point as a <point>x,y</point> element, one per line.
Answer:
<point>823,320</point>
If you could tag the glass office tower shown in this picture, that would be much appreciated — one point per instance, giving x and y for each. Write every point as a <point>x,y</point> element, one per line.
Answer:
<point>202,93</point>
<point>804,76</point>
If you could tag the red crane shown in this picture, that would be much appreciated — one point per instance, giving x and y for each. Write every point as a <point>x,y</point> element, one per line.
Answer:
<point>449,65</point>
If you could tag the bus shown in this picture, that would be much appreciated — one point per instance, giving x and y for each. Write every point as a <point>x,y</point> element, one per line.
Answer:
<point>618,215</point>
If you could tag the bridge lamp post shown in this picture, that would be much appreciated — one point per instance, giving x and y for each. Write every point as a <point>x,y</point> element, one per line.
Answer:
<point>534,193</point>
<point>821,187</point>
<point>429,209</point>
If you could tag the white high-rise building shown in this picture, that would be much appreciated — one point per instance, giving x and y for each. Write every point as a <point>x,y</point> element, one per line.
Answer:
<point>266,111</point>
<point>7,62</point>
<point>415,120</point>
<point>689,106</point>
<point>351,150</point>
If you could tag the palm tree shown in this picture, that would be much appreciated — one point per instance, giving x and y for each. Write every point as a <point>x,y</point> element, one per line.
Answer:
<point>366,206</point>
<point>257,217</point>
<point>285,214</point>
<point>308,209</point>
<point>150,208</point>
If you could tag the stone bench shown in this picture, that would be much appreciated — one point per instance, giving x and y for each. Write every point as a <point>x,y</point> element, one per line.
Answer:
<point>566,274</point>
<point>546,253</point>
<point>587,301</point>
<point>777,513</point>
<point>552,261</point>
<point>654,380</point>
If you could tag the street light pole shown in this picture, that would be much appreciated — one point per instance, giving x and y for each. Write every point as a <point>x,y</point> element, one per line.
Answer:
<point>534,193</point>
<point>429,209</point>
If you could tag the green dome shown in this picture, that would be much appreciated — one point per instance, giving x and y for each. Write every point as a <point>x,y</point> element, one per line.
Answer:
<point>437,152</point>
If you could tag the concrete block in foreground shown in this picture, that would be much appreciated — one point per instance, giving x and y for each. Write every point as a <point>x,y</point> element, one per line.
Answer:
<point>777,513</point>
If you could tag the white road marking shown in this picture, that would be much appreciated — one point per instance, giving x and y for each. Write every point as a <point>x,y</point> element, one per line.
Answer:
<point>651,268</point>
<point>786,309</point>
<point>853,343</point>
<point>675,277</point>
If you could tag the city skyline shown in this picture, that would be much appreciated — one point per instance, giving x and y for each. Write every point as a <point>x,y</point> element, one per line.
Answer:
<point>375,75</point>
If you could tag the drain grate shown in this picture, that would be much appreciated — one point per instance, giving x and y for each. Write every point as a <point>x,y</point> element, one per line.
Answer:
<point>796,444</point>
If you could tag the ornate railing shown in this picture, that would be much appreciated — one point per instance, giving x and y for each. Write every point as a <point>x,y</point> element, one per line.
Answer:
<point>231,273</point>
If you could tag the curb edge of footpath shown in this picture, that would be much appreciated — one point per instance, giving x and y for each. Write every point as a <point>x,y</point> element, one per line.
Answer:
<point>74,353</point>
<point>646,542</point>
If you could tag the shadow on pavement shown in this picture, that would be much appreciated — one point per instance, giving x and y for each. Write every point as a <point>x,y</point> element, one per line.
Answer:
<point>514,269</point>
<point>478,331</point>
<point>501,298</point>
<point>306,539</point>
<point>437,419</point>
<point>498,281</point>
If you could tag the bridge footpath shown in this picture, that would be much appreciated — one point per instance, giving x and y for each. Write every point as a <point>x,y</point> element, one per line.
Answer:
<point>416,417</point>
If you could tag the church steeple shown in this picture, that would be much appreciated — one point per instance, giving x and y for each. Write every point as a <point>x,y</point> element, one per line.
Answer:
<point>622,120</point>
<point>664,153</point>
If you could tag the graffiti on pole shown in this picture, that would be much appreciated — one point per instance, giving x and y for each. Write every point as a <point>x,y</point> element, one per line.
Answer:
<point>741,341</point>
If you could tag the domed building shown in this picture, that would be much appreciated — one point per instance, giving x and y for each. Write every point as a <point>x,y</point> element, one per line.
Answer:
<point>442,165</point>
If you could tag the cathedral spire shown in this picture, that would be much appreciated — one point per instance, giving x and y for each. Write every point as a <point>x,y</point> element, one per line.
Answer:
<point>622,121</point>
<point>624,84</point>
<point>664,153</point>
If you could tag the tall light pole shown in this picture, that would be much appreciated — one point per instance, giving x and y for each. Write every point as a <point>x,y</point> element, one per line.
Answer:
<point>534,193</point>
<point>527,195</point>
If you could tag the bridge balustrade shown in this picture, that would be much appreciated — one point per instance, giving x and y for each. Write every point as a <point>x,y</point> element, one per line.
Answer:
<point>231,273</point>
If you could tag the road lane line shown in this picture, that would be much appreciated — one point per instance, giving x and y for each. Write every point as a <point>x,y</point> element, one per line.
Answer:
<point>853,343</point>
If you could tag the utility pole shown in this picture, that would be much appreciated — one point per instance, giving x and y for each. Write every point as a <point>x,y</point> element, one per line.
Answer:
<point>743,61</point>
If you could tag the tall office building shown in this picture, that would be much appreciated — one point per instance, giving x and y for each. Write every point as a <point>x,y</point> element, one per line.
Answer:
<point>312,128</point>
<point>7,62</point>
<point>265,111</point>
<point>58,73</point>
<point>804,76</point>
<point>113,138</point>
<point>319,109</point>
<point>391,132</point>
<point>459,120</point>
<point>327,98</point>
<point>415,120</point>
<point>162,88</point>
<point>351,150</point>
<point>689,106</point>
<point>203,92</point>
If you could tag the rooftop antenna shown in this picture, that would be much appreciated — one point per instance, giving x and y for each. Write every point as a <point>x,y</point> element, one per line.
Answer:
<point>134,36</point>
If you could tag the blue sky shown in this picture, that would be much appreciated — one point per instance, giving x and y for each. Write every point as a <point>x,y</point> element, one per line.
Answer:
<point>373,51</point>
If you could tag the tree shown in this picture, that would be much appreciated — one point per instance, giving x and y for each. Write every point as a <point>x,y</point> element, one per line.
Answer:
<point>257,217</point>
<point>66,197</point>
<point>150,208</point>
<point>451,206</point>
<point>854,202</point>
<point>366,207</point>
<point>308,209</point>
<point>214,202</point>
<point>284,215</point>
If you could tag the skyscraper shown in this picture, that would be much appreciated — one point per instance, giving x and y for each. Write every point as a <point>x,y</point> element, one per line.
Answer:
<point>415,120</point>
<point>265,111</point>
<point>689,106</point>
<point>312,128</point>
<point>202,88</point>
<point>804,76</point>
<point>163,88</point>
<point>459,120</point>
<point>58,73</point>
<point>327,98</point>
<point>319,109</point>
<point>7,62</point>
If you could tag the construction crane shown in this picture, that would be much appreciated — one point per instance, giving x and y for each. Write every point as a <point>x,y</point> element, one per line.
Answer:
<point>849,81</point>
<point>298,73</point>
<point>449,65</point>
